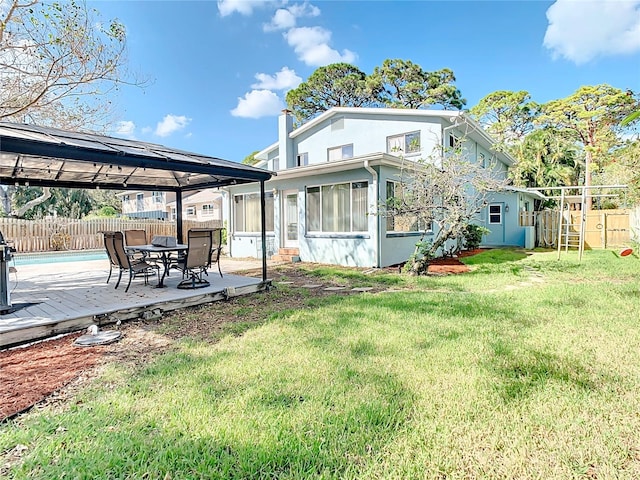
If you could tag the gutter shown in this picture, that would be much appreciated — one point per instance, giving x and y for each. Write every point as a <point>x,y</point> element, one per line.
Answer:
<point>376,189</point>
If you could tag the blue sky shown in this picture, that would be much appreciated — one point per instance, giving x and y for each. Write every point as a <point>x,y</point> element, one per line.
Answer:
<point>219,71</point>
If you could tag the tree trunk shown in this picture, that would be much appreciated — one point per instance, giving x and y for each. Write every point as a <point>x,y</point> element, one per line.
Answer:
<point>46,195</point>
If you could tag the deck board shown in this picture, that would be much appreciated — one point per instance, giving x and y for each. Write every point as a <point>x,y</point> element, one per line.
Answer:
<point>69,296</point>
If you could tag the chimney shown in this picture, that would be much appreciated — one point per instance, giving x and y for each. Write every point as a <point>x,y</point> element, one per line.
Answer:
<point>285,144</point>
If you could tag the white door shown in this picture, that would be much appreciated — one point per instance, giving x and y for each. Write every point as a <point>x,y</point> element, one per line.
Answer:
<point>290,219</point>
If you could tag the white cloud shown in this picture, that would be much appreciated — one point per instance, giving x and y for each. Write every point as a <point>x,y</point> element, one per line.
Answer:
<point>582,31</point>
<point>243,7</point>
<point>286,18</point>
<point>285,79</point>
<point>311,44</point>
<point>171,124</point>
<point>258,103</point>
<point>125,128</point>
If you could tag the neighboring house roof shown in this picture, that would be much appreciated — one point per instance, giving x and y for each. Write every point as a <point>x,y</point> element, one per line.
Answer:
<point>476,132</point>
<point>199,197</point>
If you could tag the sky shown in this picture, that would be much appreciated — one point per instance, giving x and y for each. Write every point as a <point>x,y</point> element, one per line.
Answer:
<point>218,71</point>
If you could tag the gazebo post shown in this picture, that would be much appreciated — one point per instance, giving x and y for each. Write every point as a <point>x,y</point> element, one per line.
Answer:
<point>179,232</point>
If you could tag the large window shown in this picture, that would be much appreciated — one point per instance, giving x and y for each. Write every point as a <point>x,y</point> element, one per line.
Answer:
<point>340,208</point>
<point>402,223</point>
<point>247,212</point>
<point>158,197</point>
<point>340,153</point>
<point>404,143</point>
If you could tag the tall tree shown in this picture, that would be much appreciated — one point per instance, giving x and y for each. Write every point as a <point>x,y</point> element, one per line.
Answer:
<point>507,115</point>
<point>546,158</point>
<point>251,158</point>
<point>404,84</point>
<point>335,85</point>
<point>58,63</point>
<point>593,114</point>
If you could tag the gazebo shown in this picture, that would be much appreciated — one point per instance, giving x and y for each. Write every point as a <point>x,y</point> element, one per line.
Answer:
<point>49,157</point>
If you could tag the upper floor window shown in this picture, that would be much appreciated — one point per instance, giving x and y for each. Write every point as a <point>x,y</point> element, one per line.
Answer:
<point>158,197</point>
<point>302,159</point>
<point>454,142</point>
<point>404,143</point>
<point>191,211</point>
<point>340,153</point>
<point>275,164</point>
<point>125,198</point>
<point>208,210</point>
<point>482,161</point>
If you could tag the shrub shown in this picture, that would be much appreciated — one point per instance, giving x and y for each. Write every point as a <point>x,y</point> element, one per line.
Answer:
<point>473,236</point>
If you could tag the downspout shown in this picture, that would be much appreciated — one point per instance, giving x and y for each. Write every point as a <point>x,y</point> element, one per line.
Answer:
<point>378,240</point>
<point>263,221</point>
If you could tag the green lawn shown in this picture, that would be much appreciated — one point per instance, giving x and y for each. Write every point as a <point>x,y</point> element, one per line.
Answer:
<point>526,368</point>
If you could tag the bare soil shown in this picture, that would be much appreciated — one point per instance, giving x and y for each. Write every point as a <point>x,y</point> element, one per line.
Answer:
<point>48,372</point>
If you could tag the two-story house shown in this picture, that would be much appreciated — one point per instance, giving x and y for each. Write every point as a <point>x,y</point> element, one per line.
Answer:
<point>151,205</point>
<point>202,206</point>
<point>335,170</point>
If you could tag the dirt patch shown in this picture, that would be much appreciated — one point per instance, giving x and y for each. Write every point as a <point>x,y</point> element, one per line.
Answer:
<point>49,372</point>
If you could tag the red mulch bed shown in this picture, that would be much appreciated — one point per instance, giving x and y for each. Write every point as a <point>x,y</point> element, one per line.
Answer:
<point>448,265</point>
<point>31,373</point>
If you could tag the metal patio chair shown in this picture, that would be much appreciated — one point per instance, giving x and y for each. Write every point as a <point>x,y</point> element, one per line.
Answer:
<point>196,261</point>
<point>123,261</point>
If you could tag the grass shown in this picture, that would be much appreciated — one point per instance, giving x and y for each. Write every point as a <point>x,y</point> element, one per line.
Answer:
<point>527,367</point>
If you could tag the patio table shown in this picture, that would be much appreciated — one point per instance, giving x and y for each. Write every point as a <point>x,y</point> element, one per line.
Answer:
<point>164,256</point>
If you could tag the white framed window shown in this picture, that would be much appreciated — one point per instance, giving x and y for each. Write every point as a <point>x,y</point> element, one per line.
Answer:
<point>302,159</point>
<point>140,202</point>
<point>246,212</point>
<point>495,213</point>
<point>454,141</point>
<point>403,223</point>
<point>275,164</point>
<point>158,197</point>
<point>125,198</point>
<point>208,210</point>
<point>340,153</point>
<point>404,143</point>
<point>338,208</point>
<point>190,211</point>
<point>173,213</point>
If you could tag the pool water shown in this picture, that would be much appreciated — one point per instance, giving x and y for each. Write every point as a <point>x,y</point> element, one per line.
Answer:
<point>56,257</point>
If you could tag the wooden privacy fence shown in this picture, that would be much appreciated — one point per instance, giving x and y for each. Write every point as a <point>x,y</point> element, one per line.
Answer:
<point>603,228</point>
<point>57,234</point>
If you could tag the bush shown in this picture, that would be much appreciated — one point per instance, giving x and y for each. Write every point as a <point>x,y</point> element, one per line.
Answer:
<point>473,236</point>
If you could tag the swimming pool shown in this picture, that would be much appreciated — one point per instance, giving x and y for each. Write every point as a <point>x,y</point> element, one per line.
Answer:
<point>56,257</point>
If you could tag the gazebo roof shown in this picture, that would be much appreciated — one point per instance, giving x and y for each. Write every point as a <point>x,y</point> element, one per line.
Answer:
<point>44,156</point>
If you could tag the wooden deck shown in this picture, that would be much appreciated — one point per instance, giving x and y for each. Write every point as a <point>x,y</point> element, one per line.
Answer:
<point>54,298</point>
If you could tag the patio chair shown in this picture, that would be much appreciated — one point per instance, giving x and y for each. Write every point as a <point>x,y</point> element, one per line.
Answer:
<point>216,248</point>
<point>136,237</point>
<point>196,261</point>
<point>120,259</point>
